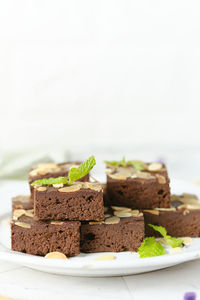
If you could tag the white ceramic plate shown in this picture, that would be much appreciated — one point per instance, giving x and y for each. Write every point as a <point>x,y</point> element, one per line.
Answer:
<point>125,263</point>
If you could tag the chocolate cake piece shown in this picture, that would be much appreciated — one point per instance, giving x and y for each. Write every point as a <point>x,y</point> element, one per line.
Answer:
<point>81,201</point>
<point>39,238</point>
<point>47,170</point>
<point>138,189</point>
<point>122,230</point>
<point>180,220</point>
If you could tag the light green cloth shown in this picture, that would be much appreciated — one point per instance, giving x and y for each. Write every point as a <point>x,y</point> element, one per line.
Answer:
<point>16,165</point>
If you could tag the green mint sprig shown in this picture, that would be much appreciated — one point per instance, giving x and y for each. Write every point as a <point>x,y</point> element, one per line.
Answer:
<point>150,247</point>
<point>73,175</point>
<point>50,181</point>
<point>173,242</point>
<point>82,170</point>
<point>139,165</point>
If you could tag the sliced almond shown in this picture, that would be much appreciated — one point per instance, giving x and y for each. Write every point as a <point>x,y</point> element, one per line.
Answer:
<point>166,209</point>
<point>105,257</point>
<point>29,213</point>
<point>152,211</point>
<point>56,255</point>
<point>112,220</point>
<point>41,189</point>
<point>96,222</point>
<point>56,223</point>
<point>144,175</point>
<point>187,240</point>
<point>71,188</point>
<point>154,167</point>
<point>186,212</point>
<point>135,212</point>
<point>92,186</point>
<point>22,224</point>
<point>58,185</point>
<point>122,214</point>
<point>18,213</point>
<point>161,179</point>
<point>119,208</point>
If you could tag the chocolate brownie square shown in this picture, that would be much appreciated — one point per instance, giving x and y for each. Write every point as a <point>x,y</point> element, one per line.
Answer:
<point>180,220</point>
<point>81,201</point>
<point>138,189</point>
<point>47,170</point>
<point>122,230</point>
<point>39,238</point>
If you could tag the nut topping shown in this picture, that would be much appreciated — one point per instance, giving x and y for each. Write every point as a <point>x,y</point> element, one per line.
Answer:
<point>122,214</point>
<point>105,257</point>
<point>22,224</point>
<point>112,220</point>
<point>121,208</point>
<point>71,188</point>
<point>96,222</point>
<point>152,211</point>
<point>58,185</point>
<point>161,179</point>
<point>41,189</point>
<point>56,255</point>
<point>18,213</point>
<point>154,167</point>
<point>186,240</point>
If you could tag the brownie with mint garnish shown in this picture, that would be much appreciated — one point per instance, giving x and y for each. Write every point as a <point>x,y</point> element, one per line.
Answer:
<point>67,198</point>
<point>47,170</point>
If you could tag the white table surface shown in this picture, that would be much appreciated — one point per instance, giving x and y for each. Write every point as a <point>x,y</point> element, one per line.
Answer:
<point>24,283</point>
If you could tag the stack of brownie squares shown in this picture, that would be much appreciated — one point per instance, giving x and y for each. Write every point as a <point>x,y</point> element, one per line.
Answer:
<point>91,217</point>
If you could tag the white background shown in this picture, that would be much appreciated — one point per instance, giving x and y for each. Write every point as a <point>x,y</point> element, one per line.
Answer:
<point>120,77</point>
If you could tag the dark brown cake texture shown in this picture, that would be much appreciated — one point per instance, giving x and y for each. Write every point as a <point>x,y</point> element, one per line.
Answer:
<point>122,230</point>
<point>81,201</point>
<point>40,238</point>
<point>47,170</point>
<point>182,219</point>
<point>127,186</point>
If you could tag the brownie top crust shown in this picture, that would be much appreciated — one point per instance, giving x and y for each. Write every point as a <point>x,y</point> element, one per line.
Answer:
<point>76,186</point>
<point>51,168</point>
<point>151,171</point>
<point>183,203</point>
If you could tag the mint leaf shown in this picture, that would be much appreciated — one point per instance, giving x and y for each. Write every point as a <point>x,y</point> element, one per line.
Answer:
<point>160,229</point>
<point>82,170</point>
<point>50,181</point>
<point>139,165</point>
<point>174,242</point>
<point>116,162</point>
<point>150,247</point>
